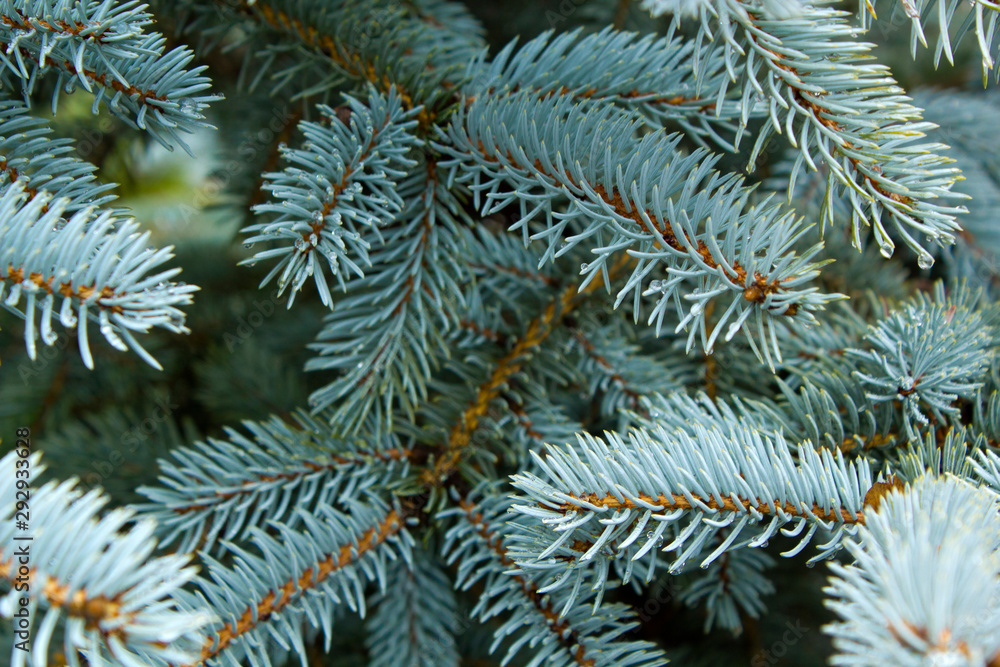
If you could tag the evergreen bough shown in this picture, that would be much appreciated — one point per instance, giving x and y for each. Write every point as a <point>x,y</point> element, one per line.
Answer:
<point>571,350</point>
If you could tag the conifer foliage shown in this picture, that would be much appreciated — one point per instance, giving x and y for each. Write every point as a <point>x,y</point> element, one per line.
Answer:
<point>678,294</point>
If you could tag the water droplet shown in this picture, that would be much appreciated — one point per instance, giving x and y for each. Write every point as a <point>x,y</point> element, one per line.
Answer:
<point>584,267</point>
<point>925,261</point>
<point>247,245</point>
<point>886,250</point>
<point>300,244</point>
<point>187,106</point>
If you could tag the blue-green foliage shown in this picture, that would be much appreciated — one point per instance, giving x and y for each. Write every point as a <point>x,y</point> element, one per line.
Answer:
<point>421,600</point>
<point>477,545</point>
<point>342,180</point>
<point>94,267</point>
<point>847,114</point>
<point>224,487</point>
<point>684,222</point>
<point>529,399</point>
<point>104,554</point>
<point>388,333</point>
<point>927,355</point>
<point>102,47</point>
<point>653,76</point>
<point>102,274</point>
<point>943,525</point>
<point>24,139</point>
<point>300,575</point>
<point>975,147</point>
